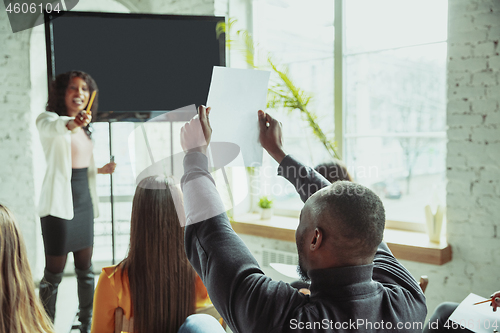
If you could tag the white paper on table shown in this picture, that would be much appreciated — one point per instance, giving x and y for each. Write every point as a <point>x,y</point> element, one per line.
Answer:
<point>235,96</point>
<point>477,318</point>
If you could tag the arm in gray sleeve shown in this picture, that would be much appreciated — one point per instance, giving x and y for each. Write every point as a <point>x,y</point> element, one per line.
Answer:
<point>248,300</point>
<point>305,179</point>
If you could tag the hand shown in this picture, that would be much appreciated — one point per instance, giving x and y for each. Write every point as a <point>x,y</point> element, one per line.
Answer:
<point>196,134</point>
<point>270,136</point>
<point>495,303</point>
<point>107,169</point>
<point>82,119</point>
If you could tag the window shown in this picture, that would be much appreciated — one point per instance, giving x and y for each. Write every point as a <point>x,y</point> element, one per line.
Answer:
<point>393,115</point>
<point>395,102</point>
<point>300,36</point>
<point>132,157</point>
<point>123,191</point>
<point>394,72</point>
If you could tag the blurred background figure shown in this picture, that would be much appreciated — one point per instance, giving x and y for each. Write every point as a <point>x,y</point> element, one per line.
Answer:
<point>333,171</point>
<point>68,201</point>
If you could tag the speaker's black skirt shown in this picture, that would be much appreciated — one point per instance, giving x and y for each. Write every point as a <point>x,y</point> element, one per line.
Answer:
<point>63,236</point>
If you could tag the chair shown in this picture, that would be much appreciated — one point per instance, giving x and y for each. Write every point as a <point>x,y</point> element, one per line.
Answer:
<point>424,281</point>
<point>122,324</point>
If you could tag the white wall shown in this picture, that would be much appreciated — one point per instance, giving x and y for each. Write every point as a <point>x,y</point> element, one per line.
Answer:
<point>16,168</point>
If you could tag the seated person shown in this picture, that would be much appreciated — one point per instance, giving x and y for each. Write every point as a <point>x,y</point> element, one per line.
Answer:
<point>356,283</point>
<point>444,311</point>
<point>22,310</point>
<point>155,277</point>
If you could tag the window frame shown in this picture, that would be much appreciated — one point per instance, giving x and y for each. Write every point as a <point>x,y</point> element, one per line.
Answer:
<point>339,109</point>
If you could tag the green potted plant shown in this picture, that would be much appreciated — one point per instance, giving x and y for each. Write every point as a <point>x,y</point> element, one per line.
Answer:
<point>266,206</point>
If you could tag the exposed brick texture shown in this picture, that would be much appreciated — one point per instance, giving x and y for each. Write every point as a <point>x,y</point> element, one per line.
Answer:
<point>16,169</point>
<point>473,168</point>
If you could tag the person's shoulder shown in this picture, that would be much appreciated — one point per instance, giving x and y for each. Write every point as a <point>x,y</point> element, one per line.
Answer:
<point>110,271</point>
<point>114,275</point>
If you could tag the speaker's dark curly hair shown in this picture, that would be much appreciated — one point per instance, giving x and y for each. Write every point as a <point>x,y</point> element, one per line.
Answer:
<point>57,94</point>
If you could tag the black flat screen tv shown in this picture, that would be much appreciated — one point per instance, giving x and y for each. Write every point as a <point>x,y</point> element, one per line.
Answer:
<point>141,62</point>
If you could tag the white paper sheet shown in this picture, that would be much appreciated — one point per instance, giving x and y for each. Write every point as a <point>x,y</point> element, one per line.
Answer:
<point>235,96</point>
<point>477,318</point>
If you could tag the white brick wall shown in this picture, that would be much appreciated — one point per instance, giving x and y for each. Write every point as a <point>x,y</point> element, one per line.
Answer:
<point>473,160</point>
<point>185,7</point>
<point>16,170</point>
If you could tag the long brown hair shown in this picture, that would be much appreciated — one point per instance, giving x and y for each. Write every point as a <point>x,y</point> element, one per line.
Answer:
<point>161,278</point>
<point>57,94</point>
<point>20,308</point>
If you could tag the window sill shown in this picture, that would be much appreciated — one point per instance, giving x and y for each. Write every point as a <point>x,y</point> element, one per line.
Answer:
<point>405,245</point>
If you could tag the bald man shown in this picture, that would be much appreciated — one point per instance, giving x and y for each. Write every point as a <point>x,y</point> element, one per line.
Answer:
<point>356,283</point>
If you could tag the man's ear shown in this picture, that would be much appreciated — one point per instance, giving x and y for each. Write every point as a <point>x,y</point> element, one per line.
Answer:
<point>316,240</point>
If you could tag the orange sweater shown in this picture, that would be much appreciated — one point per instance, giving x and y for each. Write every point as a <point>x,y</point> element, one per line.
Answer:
<point>112,292</point>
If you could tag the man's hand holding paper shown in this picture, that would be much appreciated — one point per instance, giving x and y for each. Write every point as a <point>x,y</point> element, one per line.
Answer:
<point>196,134</point>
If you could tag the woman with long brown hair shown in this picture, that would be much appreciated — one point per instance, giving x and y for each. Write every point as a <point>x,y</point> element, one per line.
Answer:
<point>68,201</point>
<point>154,285</point>
<point>20,309</point>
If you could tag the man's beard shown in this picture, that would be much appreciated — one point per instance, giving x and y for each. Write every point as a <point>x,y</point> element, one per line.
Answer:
<point>300,268</point>
<point>302,272</point>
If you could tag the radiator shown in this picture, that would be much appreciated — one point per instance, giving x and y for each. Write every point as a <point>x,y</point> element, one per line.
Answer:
<point>281,257</point>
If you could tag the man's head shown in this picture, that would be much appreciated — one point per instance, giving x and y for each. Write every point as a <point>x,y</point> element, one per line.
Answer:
<point>340,225</point>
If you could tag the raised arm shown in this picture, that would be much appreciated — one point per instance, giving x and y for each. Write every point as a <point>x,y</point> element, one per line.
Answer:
<point>305,179</point>
<point>248,300</point>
